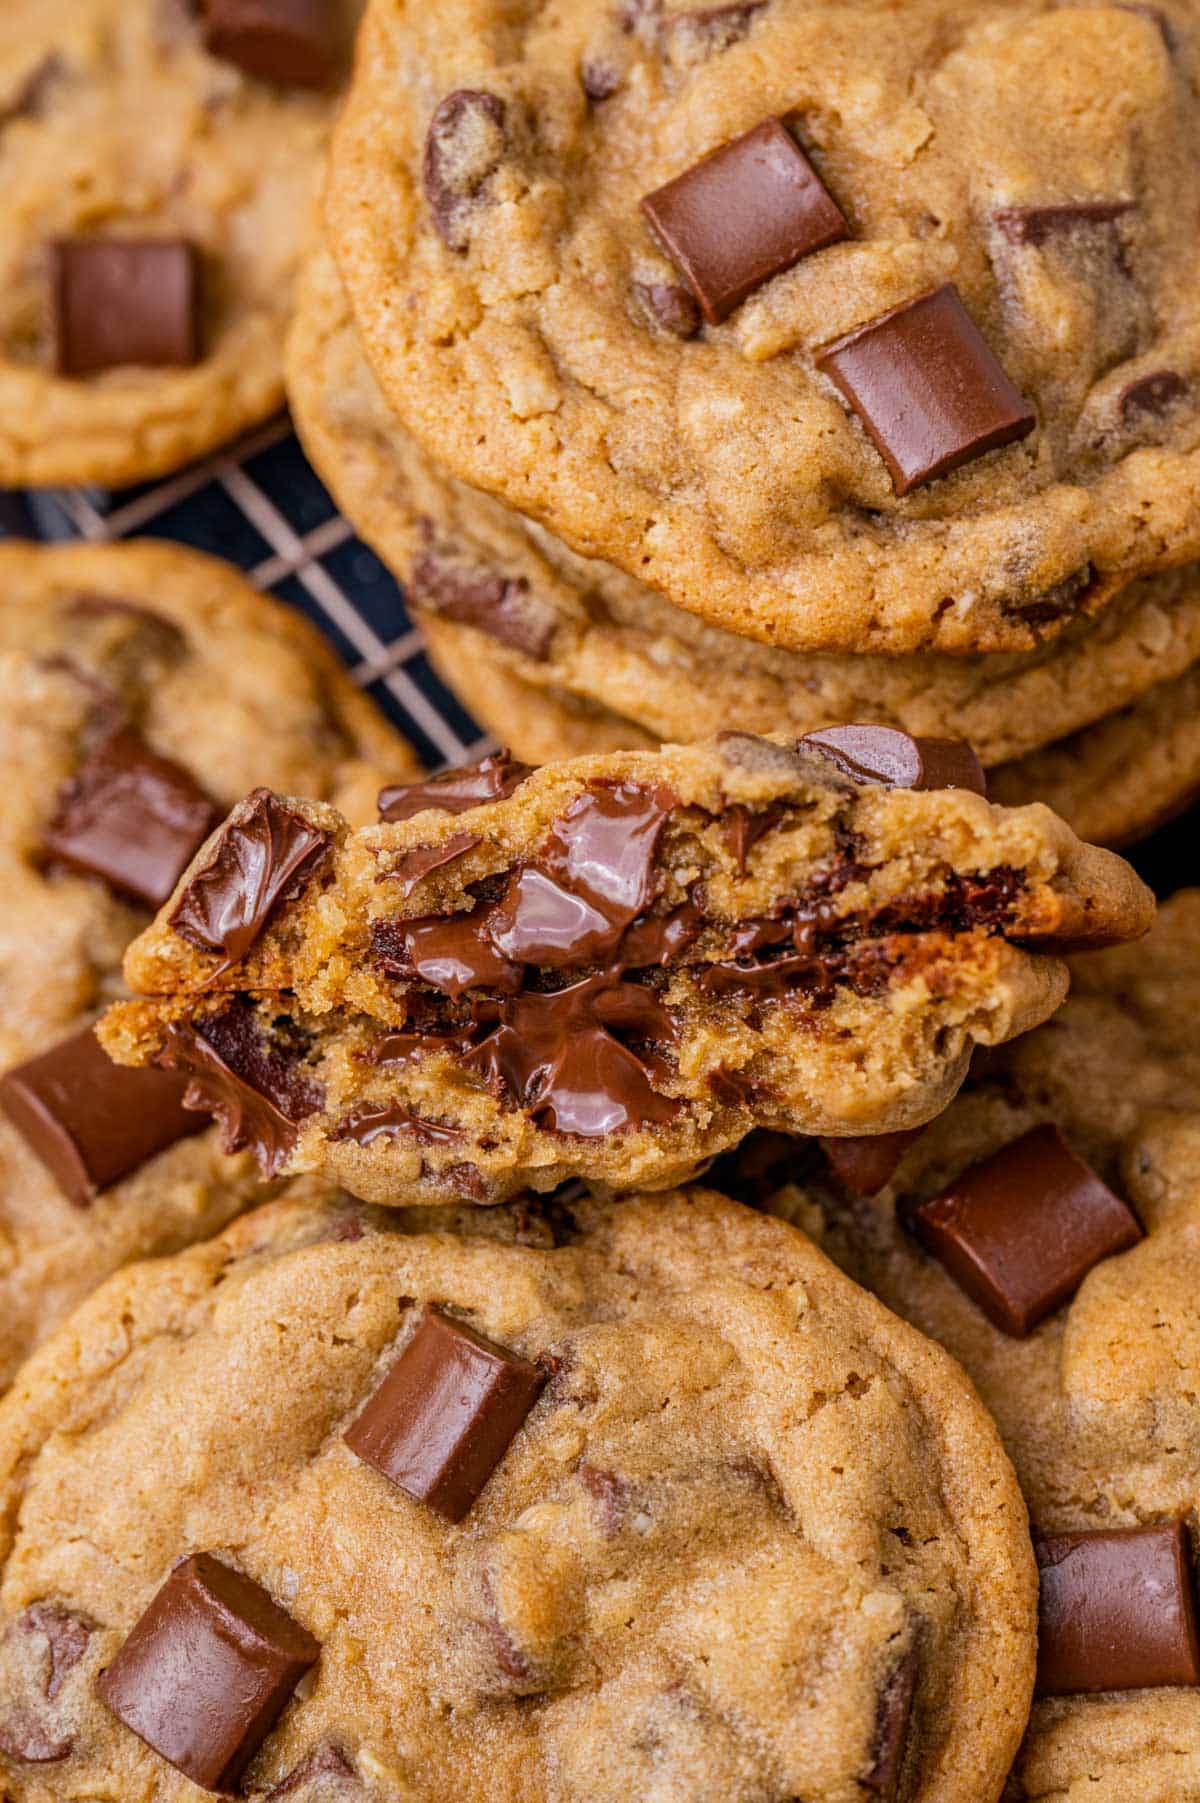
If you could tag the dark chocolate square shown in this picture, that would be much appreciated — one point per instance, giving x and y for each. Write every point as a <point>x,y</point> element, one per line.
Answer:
<point>924,382</point>
<point>744,214</point>
<point>1020,1231</point>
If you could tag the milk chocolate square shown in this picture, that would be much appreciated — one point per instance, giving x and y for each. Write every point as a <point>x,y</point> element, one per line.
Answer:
<point>90,1121</point>
<point>1020,1231</point>
<point>1117,1611</point>
<point>206,1672</point>
<point>130,817</point>
<point>446,1414</point>
<point>125,301</point>
<point>743,214</point>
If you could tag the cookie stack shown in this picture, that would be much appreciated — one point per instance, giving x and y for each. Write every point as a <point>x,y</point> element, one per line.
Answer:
<point>779,364</point>
<point>616,1271</point>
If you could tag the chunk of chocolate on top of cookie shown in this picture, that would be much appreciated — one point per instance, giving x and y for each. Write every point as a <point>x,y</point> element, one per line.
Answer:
<point>583,971</point>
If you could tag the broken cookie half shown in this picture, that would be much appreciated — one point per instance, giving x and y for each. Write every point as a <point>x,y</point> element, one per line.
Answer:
<point>612,967</point>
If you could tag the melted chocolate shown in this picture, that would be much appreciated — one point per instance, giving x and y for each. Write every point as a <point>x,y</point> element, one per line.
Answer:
<point>422,860</point>
<point>593,877</point>
<point>255,1087</point>
<point>494,778</point>
<point>744,827</point>
<point>450,952</point>
<point>559,1057</point>
<point>265,854</point>
<point>369,1123</point>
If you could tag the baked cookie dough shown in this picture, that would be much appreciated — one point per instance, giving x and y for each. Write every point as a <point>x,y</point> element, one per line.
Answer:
<point>513,600</point>
<point>1126,776</point>
<point>143,689</point>
<point>157,188</point>
<point>611,968</point>
<point>1097,1404</point>
<point>713,1523</point>
<point>1010,301</point>
<point>1113,782</point>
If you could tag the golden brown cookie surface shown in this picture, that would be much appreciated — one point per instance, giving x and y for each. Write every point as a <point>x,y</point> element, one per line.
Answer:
<point>1097,1403</point>
<point>485,211</point>
<point>144,689</point>
<point>753,1533</point>
<point>180,185</point>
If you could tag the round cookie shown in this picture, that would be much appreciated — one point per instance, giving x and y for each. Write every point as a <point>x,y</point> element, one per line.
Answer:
<point>731,1529</point>
<point>141,687</point>
<point>578,627</point>
<point>1097,1404</point>
<point>1010,178</point>
<point>121,126</point>
<point>1113,783</point>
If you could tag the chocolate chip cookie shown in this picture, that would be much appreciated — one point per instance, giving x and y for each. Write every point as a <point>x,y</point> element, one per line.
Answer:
<point>1044,1231</point>
<point>844,328</point>
<point>143,689</point>
<point>158,161</point>
<point>503,598</point>
<point>611,968</point>
<point>654,1504</point>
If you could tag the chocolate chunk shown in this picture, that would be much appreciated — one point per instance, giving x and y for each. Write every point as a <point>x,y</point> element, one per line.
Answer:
<point>493,778</point>
<point>1117,1612</point>
<point>325,1773</point>
<point>464,149</point>
<point>265,855</point>
<point>600,79</point>
<point>369,1123</point>
<point>289,42</point>
<point>559,1057</point>
<point>446,1414</point>
<point>671,305</point>
<point>450,952</point>
<point>503,607</point>
<point>256,1089</point>
<point>867,1165</point>
<point>1021,1231</point>
<point>884,754</point>
<point>892,1719</point>
<point>207,1670</point>
<point>90,1121</point>
<point>403,1048</point>
<point>422,860</point>
<point>592,878</point>
<point>130,817</point>
<point>67,1637</point>
<point>40,1650</point>
<point>1061,601</point>
<point>713,27</point>
<point>744,214</point>
<point>657,938</point>
<point>1150,396</point>
<point>1038,226</point>
<point>744,827</point>
<point>927,388</point>
<point>125,301</point>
